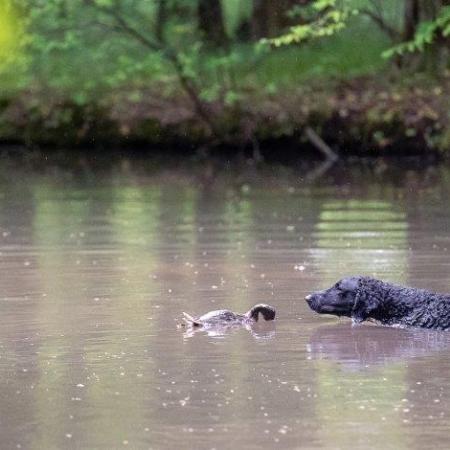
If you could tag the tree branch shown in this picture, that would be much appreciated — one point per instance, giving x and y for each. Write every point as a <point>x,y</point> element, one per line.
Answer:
<point>122,24</point>
<point>377,17</point>
<point>320,144</point>
<point>187,84</point>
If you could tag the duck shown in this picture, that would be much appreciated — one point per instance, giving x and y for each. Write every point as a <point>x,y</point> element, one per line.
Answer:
<point>225,318</point>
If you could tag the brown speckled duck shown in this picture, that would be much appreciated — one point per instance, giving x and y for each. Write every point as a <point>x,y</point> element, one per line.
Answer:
<point>224,317</point>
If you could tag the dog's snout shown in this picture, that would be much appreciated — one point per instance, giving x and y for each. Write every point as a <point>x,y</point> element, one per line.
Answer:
<point>313,301</point>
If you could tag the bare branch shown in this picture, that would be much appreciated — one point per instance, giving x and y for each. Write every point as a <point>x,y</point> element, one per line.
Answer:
<point>187,84</point>
<point>377,17</point>
<point>125,26</point>
<point>320,144</point>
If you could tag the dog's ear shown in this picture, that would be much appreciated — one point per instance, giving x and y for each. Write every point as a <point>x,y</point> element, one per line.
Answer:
<point>365,305</point>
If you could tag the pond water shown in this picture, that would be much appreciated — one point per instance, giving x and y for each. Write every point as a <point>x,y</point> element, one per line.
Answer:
<point>98,265</point>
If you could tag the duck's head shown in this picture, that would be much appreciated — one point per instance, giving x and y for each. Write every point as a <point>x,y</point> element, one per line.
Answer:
<point>267,311</point>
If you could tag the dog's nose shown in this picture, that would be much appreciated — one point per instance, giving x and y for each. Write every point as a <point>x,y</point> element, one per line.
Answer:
<point>308,297</point>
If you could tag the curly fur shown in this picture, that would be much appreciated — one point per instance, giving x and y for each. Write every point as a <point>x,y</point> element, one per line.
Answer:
<point>363,298</point>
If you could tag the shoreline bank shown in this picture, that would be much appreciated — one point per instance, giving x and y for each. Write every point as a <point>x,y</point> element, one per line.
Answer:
<point>361,117</point>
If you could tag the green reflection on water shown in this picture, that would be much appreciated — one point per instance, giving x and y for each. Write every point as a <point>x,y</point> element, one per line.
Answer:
<point>360,408</point>
<point>57,228</point>
<point>361,236</point>
<point>133,232</point>
<point>238,219</point>
<point>358,236</point>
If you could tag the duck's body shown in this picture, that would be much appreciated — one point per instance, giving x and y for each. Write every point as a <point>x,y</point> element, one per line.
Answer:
<point>224,317</point>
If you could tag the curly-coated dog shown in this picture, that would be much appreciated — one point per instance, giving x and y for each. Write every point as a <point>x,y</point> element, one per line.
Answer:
<point>364,298</point>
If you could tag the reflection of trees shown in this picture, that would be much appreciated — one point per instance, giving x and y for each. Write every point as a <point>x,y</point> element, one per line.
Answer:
<point>361,236</point>
<point>282,227</point>
<point>429,241</point>
<point>368,373</point>
<point>131,225</point>
<point>351,393</point>
<point>88,239</point>
<point>365,347</point>
<point>233,235</point>
<point>58,227</point>
<point>356,408</point>
<point>427,378</point>
<point>222,243</point>
<point>20,293</point>
<point>110,258</point>
<point>427,401</point>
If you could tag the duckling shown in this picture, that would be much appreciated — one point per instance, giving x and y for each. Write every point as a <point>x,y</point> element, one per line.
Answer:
<point>224,317</point>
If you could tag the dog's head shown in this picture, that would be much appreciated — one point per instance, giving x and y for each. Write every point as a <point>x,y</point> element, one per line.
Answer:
<point>350,297</point>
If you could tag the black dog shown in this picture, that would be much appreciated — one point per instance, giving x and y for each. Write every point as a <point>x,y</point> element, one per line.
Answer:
<point>363,298</point>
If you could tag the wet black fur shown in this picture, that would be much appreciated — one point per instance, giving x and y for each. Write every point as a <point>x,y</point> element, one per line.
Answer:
<point>363,298</point>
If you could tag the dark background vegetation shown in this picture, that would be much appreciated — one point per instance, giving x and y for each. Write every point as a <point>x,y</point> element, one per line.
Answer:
<point>363,77</point>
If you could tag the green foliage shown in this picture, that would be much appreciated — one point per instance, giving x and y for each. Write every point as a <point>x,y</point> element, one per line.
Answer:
<point>235,12</point>
<point>13,38</point>
<point>117,53</point>
<point>329,17</point>
<point>351,53</point>
<point>427,33</point>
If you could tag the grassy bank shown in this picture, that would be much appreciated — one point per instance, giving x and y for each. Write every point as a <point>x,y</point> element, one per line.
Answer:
<point>118,93</point>
<point>362,115</point>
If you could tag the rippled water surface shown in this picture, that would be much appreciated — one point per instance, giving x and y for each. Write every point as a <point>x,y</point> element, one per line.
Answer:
<point>98,265</point>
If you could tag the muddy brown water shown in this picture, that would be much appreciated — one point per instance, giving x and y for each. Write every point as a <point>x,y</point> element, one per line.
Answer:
<point>96,268</point>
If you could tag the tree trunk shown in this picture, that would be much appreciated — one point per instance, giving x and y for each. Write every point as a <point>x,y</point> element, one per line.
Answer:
<point>411,19</point>
<point>210,22</point>
<point>161,19</point>
<point>435,56</point>
<point>270,17</point>
<point>440,48</point>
